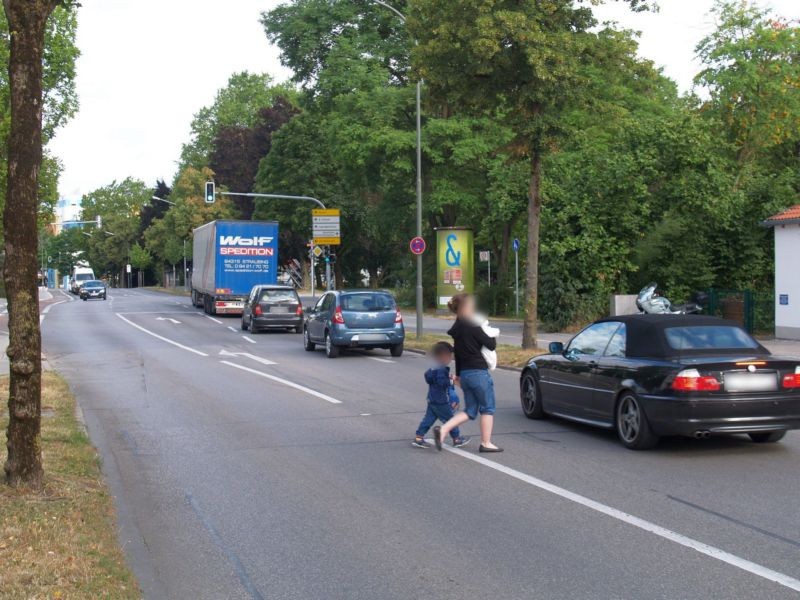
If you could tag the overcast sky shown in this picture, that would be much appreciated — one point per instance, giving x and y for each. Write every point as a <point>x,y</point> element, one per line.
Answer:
<point>148,65</point>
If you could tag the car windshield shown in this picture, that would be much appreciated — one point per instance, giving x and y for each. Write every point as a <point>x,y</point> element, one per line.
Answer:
<point>367,302</point>
<point>91,284</point>
<point>709,337</point>
<point>83,277</point>
<point>277,296</point>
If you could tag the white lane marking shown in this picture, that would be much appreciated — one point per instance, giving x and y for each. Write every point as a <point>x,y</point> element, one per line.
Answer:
<point>149,312</point>
<point>263,361</point>
<point>161,337</point>
<point>49,306</point>
<point>248,339</point>
<point>378,359</point>
<point>168,319</point>
<point>285,382</point>
<point>233,329</point>
<point>213,319</point>
<point>663,532</point>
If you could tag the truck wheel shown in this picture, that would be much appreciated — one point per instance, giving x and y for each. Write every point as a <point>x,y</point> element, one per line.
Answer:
<point>331,351</point>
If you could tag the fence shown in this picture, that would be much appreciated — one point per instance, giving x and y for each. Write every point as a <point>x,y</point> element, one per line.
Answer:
<point>754,310</point>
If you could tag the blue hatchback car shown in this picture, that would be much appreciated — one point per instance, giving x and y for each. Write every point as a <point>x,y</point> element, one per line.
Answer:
<point>354,319</point>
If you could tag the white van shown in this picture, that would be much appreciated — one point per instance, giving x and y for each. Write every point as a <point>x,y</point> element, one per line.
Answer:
<point>80,275</point>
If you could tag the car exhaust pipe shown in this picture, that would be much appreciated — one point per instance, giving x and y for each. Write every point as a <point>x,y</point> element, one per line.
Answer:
<point>701,435</point>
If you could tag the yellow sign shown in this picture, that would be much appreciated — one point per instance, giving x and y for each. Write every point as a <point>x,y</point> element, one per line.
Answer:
<point>326,226</point>
<point>328,241</point>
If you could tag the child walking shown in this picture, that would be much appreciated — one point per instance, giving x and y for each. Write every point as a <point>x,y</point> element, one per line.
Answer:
<point>442,397</point>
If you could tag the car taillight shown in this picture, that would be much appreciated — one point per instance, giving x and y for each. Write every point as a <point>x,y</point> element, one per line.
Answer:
<point>792,381</point>
<point>258,310</point>
<point>398,317</point>
<point>690,380</point>
<point>299,311</point>
<point>338,317</point>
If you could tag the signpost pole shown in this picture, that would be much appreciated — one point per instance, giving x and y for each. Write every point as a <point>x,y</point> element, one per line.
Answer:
<point>516,279</point>
<point>489,262</point>
<point>313,277</point>
<point>328,268</point>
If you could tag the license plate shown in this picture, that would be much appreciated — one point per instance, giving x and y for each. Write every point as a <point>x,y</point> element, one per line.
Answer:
<point>751,382</point>
<point>371,337</point>
<point>234,305</point>
<point>279,309</point>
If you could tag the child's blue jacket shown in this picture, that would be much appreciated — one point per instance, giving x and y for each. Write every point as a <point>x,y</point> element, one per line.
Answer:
<point>440,388</point>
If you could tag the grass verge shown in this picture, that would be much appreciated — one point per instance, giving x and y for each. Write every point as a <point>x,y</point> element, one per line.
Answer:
<point>61,542</point>
<point>507,356</point>
<point>176,291</point>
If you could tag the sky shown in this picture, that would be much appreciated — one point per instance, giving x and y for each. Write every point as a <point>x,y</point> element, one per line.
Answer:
<point>147,66</point>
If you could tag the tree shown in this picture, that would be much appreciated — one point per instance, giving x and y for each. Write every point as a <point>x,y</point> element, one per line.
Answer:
<point>236,105</point>
<point>521,59</point>
<point>27,21</point>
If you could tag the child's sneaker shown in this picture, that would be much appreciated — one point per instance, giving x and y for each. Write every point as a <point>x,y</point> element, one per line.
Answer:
<point>419,442</point>
<point>460,441</point>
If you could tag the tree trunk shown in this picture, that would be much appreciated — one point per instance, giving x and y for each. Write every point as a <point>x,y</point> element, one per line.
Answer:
<point>531,324</point>
<point>26,20</point>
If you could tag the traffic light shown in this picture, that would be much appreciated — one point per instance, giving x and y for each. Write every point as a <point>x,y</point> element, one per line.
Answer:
<point>331,258</point>
<point>210,192</point>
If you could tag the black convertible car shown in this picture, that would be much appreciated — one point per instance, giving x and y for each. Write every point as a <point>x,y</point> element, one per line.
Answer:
<point>649,376</point>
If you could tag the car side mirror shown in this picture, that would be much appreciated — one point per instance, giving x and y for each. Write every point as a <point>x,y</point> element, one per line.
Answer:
<point>556,348</point>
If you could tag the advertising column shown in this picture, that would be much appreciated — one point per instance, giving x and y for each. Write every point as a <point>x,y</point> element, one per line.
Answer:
<point>455,264</point>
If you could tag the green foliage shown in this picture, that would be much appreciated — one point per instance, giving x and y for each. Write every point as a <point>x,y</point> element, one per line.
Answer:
<point>236,105</point>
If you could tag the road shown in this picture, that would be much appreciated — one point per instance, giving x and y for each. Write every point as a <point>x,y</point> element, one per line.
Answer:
<point>244,467</point>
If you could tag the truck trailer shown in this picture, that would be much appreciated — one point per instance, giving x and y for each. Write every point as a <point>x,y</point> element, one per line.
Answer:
<point>230,257</point>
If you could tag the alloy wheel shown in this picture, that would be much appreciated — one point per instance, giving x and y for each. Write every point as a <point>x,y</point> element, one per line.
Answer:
<point>629,419</point>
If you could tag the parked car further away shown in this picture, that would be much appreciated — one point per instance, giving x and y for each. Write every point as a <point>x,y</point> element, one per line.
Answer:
<point>354,319</point>
<point>648,376</point>
<point>93,290</point>
<point>272,307</point>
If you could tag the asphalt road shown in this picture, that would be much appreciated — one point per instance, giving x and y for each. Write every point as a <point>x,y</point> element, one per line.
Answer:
<point>244,467</point>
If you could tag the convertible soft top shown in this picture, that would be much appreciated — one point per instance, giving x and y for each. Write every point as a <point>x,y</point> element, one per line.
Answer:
<point>646,339</point>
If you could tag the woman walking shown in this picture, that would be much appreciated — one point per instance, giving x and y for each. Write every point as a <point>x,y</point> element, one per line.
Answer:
<point>472,373</point>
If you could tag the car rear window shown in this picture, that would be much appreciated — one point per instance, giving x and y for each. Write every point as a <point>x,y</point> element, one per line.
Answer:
<point>709,337</point>
<point>277,296</point>
<point>367,302</point>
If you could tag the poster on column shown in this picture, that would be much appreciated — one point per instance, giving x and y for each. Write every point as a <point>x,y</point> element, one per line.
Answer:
<point>455,263</point>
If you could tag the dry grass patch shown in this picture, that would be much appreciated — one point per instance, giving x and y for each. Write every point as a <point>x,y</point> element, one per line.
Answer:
<point>174,291</point>
<point>61,542</point>
<point>507,356</point>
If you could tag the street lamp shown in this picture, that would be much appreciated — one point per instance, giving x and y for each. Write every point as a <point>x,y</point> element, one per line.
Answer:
<point>164,200</point>
<point>402,18</point>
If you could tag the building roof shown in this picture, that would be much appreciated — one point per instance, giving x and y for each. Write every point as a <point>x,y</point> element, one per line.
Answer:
<point>787,217</point>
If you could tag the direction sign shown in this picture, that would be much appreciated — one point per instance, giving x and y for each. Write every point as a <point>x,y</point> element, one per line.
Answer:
<point>326,226</point>
<point>417,245</point>
<point>515,245</point>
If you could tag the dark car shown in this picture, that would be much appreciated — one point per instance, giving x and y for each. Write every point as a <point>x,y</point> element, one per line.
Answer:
<point>648,376</point>
<point>272,307</point>
<point>355,319</point>
<point>93,289</point>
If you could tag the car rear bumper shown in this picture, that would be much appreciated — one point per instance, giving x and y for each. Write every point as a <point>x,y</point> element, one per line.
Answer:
<point>277,321</point>
<point>673,416</point>
<point>368,338</point>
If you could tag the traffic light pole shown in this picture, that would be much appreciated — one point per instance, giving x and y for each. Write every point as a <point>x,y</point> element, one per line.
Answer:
<point>274,196</point>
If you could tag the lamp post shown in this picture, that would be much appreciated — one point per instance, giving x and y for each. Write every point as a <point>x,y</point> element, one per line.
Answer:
<point>402,18</point>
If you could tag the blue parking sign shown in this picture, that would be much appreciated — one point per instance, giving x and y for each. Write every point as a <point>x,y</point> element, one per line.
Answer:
<point>515,245</point>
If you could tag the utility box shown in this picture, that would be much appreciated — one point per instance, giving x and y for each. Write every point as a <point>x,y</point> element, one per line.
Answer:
<point>623,304</point>
<point>787,281</point>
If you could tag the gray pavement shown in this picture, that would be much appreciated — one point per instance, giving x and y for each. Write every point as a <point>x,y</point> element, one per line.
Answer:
<point>236,478</point>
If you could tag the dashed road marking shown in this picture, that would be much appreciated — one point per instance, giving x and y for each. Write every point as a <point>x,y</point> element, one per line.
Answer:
<point>161,337</point>
<point>213,319</point>
<point>249,339</point>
